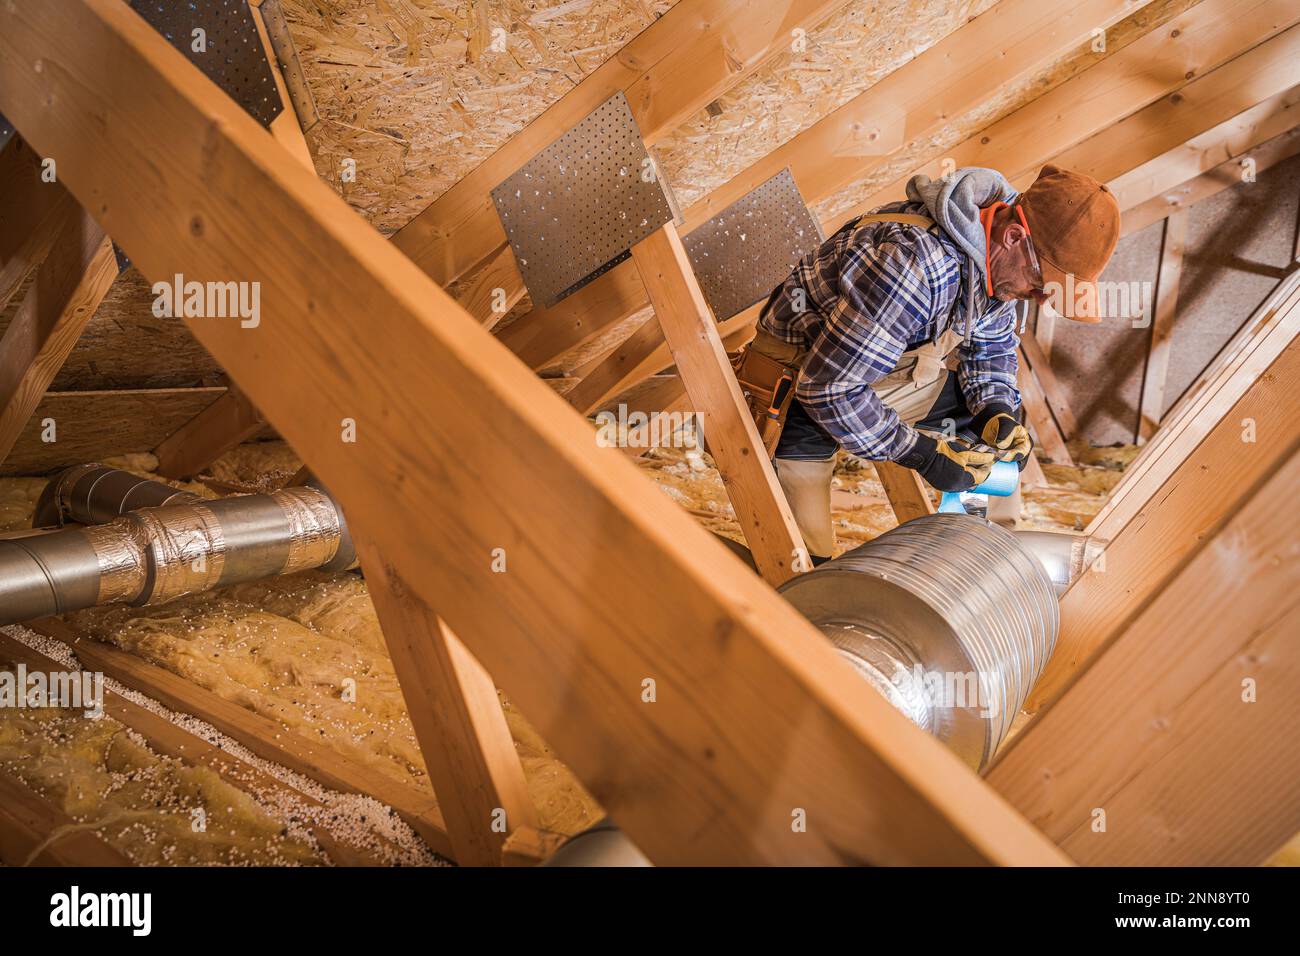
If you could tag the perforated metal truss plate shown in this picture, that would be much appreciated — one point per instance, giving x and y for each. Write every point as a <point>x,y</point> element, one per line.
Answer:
<point>286,55</point>
<point>577,207</point>
<point>747,250</point>
<point>234,58</point>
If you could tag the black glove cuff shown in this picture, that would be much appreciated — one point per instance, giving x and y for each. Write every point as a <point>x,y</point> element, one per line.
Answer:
<point>987,415</point>
<point>922,453</point>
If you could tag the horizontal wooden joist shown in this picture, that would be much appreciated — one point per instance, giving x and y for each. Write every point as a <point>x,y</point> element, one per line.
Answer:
<point>70,428</point>
<point>755,721</point>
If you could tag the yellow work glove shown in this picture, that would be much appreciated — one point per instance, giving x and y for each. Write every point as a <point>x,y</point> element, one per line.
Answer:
<point>1001,430</point>
<point>949,464</point>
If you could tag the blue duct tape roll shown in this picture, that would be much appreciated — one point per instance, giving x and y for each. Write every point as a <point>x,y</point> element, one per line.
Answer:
<point>1002,481</point>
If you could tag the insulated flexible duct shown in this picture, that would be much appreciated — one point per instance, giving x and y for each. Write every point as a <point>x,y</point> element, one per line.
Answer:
<point>948,616</point>
<point>156,554</point>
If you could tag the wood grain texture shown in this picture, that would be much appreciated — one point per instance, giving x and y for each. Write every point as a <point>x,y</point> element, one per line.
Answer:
<point>1164,315</point>
<point>68,288</point>
<point>1212,481</point>
<point>744,684</point>
<point>461,728</point>
<point>221,426</point>
<point>1194,771</point>
<point>906,491</point>
<point>747,473</point>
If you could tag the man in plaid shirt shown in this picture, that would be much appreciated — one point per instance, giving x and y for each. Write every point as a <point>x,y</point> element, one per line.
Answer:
<point>877,317</point>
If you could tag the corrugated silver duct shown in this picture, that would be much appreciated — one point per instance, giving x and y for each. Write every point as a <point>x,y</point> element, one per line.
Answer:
<point>156,554</point>
<point>948,616</point>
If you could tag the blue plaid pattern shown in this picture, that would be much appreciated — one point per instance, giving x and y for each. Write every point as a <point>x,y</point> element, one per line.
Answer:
<point>870,293</point>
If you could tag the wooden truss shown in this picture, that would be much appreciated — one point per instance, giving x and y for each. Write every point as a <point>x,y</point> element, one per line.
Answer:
<point>607,585</point>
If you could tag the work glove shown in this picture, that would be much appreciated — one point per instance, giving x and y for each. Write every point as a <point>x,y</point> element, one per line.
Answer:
<point>949,464</point>
<point>998,428</point>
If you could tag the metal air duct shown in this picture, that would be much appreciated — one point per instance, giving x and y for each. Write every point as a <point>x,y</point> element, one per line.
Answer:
<point>155,554</point>
<point>948,616</point>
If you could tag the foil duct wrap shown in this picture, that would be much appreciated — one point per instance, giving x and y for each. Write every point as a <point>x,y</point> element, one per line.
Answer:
<point>122,552</point>
<point>314,528</point>
<point>187,550</point>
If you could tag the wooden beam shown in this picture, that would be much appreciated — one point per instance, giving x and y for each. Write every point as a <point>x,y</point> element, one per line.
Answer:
<point>1196,701</point>
<point>692,334</point>
<point>906,491</point>
<point>1232,138</point>
<point>170,740</point>
<point>69,286</point>
<point>1033,352</point>
<point>623,366</point>
<point>33,213</point>
<point>678,65</point>
<point>285,127</point>
<point>1224,176</point>
<point>579,623</point>
<point>1273,327</point>
<point>223,425</point>
<point>496,290</point>
<point>1007,43</point>
<point>1219,57</point>
<point>458,721</point>
<point>70,428</point>
<point>1206,489</point>
<point>26,824</point>
<point>1151,406</point>
<point>267,738</point>
<point>1051,441</point>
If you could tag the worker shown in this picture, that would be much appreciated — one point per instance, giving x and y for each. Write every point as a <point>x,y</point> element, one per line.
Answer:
<point>855,348</point>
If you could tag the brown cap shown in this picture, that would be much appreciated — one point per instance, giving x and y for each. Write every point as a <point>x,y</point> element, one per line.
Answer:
<point>1074,223</point>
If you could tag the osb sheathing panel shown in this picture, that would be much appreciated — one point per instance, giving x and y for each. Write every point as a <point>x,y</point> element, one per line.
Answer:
<point>90,426</point>
<point>1009,98</point>
<point>852,52</point>
<point>414,92</point>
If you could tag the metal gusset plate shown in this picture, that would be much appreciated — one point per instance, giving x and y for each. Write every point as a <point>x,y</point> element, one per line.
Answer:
<point>286,55</point>
<point>6,131</point>
<point>123,260</point>
<point>748,249</point>
<point>577,207</point>
<point>231,56</point>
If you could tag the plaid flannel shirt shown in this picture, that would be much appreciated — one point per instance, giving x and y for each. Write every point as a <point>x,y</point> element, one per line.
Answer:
<point>870,293</point>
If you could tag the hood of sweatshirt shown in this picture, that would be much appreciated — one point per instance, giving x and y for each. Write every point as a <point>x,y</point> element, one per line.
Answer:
<point>955,203</point>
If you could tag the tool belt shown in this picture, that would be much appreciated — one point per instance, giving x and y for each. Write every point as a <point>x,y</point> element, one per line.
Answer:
<point>768,387</point>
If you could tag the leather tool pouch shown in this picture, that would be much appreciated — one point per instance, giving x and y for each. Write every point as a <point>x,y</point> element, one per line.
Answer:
<point>768,387</point>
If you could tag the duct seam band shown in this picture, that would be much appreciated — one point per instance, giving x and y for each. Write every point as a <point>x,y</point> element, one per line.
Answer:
<point>120,549</point>
<point>187,551</point>
<point>314,528</point>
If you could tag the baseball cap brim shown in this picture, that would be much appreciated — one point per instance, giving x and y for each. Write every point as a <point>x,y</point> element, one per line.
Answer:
<point>1070,295</point>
